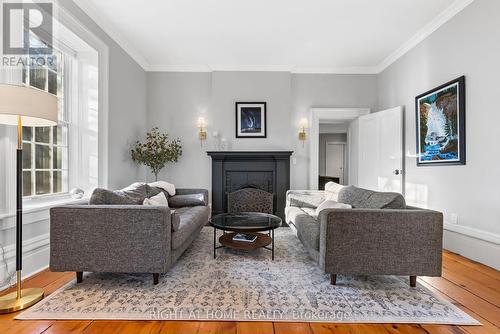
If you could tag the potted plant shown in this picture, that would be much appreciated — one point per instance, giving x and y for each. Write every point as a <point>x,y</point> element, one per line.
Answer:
<point>156,151</point>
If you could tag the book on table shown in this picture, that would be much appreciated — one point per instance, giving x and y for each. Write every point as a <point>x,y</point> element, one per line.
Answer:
<point>245,237</point>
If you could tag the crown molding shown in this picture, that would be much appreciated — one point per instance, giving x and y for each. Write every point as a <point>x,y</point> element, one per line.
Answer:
<point>456,7</point>
<point>250,68</point>
<point>260,68</point>
<point>217,68</point>
<point>112,32</point>
<point>336,70</point>
<point>178,68</point>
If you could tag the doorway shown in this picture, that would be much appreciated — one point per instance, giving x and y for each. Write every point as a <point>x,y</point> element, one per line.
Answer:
<point>333,157</point>
<point>374,149</point>
<point>334,117</point>
<point>335,161</point>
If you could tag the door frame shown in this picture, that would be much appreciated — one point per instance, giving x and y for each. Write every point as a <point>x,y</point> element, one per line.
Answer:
<point>342,115</point>
<point>344,160</point>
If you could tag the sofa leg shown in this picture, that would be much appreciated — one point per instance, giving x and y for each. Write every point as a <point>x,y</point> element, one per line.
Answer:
<point>413,281</point>
<point>79,277</point>
<point>333,279</point>
<point>156,278</point>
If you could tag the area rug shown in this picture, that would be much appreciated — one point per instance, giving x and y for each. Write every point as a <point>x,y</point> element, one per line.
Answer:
<point>247,286</point>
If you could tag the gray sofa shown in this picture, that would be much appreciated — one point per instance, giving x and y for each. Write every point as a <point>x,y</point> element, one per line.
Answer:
<point>114,233</point>
<point>379,235</point>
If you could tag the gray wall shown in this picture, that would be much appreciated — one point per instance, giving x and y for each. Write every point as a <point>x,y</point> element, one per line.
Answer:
<point>176,100</point>
<point>127,103</point>
<point>466,45</point>
<point>326,90</point>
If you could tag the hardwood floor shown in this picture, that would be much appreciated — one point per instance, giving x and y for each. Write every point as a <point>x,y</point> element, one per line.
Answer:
<point>471,286</point>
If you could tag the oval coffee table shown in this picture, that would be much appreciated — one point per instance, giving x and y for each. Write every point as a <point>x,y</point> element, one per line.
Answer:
<point>249,223</point>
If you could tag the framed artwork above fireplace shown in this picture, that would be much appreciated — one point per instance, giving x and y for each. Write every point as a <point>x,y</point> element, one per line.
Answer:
<point>251,121</point>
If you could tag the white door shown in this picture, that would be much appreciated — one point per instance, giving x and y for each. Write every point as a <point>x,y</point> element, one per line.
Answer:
<point>334,160</point>
<point>380,165</point>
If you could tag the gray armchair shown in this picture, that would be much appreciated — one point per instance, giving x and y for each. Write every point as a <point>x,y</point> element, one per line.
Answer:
<point>250,200</point>
<point>373,238</point>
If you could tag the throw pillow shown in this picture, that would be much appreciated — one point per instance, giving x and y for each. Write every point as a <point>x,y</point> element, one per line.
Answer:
<point>332,190</point>
<point>179,201</point>
<point>155,191</point>
<point>168,187</point>
<point>329,204</point>
<point>102,196</point>
<point>159,200</point>
<point>305,199</point>
<point>137,192</point>
<point>368,199</point>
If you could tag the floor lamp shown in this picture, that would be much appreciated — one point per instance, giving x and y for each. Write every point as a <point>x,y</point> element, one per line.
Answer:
<point>23,106</point>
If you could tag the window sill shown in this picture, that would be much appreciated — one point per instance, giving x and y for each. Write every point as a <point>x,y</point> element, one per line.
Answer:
<point>35,205</point>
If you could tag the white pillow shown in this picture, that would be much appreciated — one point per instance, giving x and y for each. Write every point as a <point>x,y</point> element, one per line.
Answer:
<point>329,204</point>
<point>168,187</point>
<point>158,200</point>
<point>332,190</point>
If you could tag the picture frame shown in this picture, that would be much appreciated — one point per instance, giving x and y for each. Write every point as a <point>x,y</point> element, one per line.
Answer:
<point>440,125</point>
<point>251,120</point>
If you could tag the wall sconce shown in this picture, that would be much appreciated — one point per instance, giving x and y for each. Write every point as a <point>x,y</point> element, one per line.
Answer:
<point>302,131</point>
<point>202,134</point>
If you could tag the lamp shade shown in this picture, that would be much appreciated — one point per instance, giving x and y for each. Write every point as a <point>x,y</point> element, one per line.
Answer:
<point>36,107</point>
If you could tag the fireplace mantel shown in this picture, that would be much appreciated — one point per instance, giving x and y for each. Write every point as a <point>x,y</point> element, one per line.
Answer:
<point>266,170</point>
<point>225,155</point>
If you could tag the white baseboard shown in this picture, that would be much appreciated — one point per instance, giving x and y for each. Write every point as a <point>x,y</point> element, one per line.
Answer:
<point>36,253</point>
<point>473,232</point>
<point>473,244</point>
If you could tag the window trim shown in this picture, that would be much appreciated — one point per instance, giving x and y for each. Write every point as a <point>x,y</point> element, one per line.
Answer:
<point>70,21</point>
<point>66,67</point>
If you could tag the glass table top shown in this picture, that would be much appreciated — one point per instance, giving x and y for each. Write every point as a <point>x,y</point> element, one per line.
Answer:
<point>245,221</point>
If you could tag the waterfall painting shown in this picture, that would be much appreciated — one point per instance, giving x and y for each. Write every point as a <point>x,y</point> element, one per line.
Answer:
<point>251,120</point>
<point>440,123</point>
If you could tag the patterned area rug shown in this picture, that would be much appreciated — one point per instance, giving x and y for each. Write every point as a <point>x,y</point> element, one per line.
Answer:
<point>247,286</point>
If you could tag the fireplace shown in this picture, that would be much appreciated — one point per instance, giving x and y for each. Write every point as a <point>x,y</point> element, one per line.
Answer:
<point>235,170</point>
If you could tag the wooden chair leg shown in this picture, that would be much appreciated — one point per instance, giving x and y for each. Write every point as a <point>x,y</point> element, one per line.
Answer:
<point>79,277</point>
<point>333,279</point>
<point>156,278</point>
<point>413,281</point>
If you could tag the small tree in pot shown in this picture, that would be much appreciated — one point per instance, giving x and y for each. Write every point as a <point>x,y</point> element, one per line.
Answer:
<point>156,151</point>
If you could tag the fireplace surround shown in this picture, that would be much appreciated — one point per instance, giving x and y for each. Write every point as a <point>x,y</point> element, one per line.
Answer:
<point>235,170</point>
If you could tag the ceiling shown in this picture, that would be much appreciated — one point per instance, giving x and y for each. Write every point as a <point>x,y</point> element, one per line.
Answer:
<point>310,36</point>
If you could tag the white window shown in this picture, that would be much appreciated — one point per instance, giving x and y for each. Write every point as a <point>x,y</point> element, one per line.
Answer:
<point>58,159</point>
<point>45,149</point>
